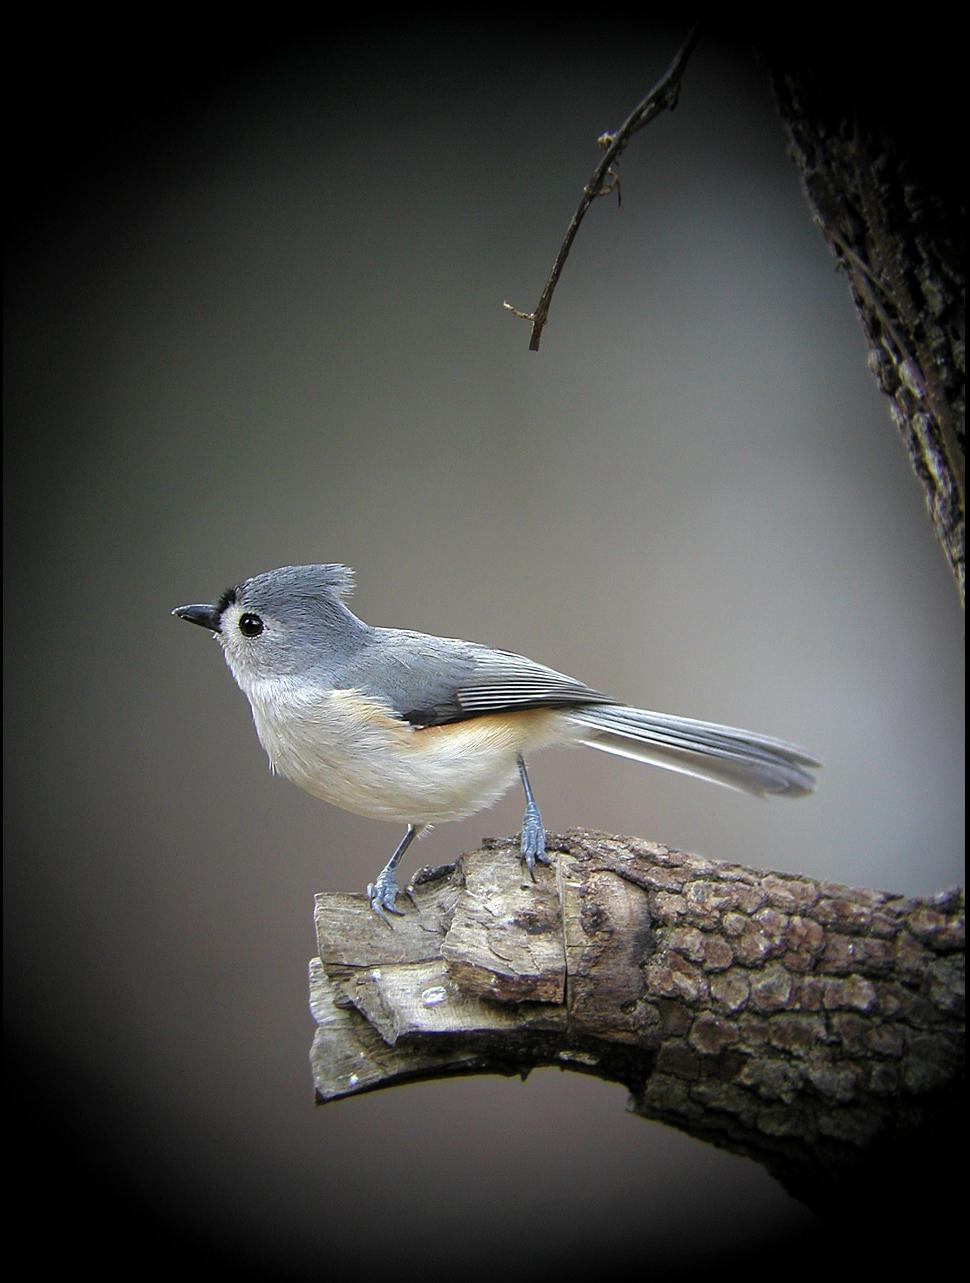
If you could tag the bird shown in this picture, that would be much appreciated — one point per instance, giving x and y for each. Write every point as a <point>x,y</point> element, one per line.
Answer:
<point>403,726</point>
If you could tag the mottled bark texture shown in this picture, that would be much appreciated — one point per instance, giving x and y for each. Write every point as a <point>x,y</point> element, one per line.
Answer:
<point>871,127</point>
<point>815,1028</point>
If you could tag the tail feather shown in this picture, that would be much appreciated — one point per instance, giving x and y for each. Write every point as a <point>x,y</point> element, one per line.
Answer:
<point>722,754</point>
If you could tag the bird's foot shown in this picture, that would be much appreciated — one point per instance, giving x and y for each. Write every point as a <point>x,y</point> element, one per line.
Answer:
<point>532,844</point>
<point>382,894</point>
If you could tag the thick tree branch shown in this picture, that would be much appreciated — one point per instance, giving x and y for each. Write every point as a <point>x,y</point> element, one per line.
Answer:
<point>662,97</point>
<point>813,1027</point>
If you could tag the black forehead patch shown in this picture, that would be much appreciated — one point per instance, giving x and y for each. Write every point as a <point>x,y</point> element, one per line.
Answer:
<point>228,598</point>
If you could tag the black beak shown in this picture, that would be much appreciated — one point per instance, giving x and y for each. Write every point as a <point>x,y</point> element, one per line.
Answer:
<point>206,616</point>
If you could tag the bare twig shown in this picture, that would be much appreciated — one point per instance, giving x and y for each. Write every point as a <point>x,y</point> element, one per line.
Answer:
<point>662,97</point>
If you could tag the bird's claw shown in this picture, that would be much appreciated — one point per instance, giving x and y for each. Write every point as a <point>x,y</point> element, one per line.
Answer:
<point>532,844</point>
<point>382,894</point>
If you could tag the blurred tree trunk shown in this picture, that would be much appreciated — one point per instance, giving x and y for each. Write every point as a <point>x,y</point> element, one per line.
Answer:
<point>871,126</point>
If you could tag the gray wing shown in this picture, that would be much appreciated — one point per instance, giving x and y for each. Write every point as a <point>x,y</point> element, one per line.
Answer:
<point>430,681</point>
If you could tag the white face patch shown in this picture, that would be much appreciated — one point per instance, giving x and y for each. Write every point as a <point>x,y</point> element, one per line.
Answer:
<point>251,642</point>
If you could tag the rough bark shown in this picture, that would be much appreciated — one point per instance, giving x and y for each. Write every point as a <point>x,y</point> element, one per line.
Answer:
<point>878,170</point>
<point>813,1027</point>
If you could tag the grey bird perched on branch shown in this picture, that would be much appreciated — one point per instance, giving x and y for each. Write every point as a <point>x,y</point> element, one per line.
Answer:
<point>401,726</point>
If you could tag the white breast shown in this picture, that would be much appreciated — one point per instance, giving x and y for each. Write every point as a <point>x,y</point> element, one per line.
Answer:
<point>350,750</point>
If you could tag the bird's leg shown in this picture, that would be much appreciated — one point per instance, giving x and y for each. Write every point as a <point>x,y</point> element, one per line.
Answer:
<point>383,892</point>
<point>533,841</point>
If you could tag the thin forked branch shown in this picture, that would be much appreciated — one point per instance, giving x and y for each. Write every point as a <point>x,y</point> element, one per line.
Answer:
<point>662,97</point>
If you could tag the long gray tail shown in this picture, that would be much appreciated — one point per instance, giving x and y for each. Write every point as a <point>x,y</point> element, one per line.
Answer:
<point>738,759</point>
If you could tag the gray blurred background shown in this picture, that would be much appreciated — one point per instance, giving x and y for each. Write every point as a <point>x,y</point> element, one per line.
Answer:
<point>254,318</point>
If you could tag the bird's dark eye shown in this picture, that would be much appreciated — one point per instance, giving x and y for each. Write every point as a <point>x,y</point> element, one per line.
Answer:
<point>250,625</point>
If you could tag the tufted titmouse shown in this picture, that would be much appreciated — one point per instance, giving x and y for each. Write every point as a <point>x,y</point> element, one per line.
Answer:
<point>402,726</point>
